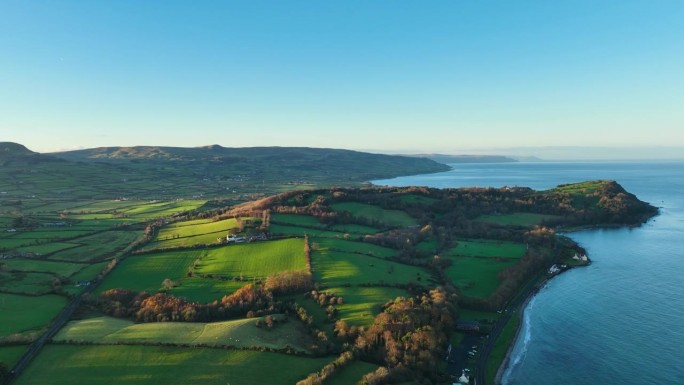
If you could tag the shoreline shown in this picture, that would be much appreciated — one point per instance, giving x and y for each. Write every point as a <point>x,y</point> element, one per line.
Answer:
<point>509,352</point>
<point>523,306</point>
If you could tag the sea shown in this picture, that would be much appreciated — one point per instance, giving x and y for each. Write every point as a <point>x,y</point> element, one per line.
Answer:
<point>619,320</point>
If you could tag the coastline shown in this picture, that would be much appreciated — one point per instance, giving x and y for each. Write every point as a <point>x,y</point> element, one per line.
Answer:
<point>522,307</point>
<point>507,358</point>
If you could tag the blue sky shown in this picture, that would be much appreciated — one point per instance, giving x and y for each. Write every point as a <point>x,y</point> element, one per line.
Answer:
<point>393,76</point>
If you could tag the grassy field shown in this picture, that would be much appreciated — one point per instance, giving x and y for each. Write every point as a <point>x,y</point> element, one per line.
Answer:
<point>517,219</point>
<point>329,244</point>
<point>255,260</point>
<point>97,246</point>
<point>9,355</point>
<point>154,210</point>
<point>362,304</point>
<point>205,290</point>
<point>48,248</point>
<point>394,218</point>
<point>24,314</point>
<point>251,260</point>
<point>351,374</point>
<point>63,269</point>
<point>146,272</point>
<point>428,246</point>
<point>334,268</point>
<point>354,229</point>
<point>184,234</point>
<point>487,248</point>
<point>301,231</point>
<point>153,365</point>
<point>26,283</point>
<point>477,277</point>
<point>296,220</point>
<point>237,333</point>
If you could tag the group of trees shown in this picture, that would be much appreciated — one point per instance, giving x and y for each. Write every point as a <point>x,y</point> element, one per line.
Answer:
<point>410,333</point>
<point>249,300</point>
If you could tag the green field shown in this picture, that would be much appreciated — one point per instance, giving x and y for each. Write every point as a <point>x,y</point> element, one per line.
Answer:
<point>9,355</point>
<point>351,373</point>
<point>48,248</point>
<point>250,260</point>
<point>487,248</point>
<point>334,268</point>
<point>362,304</point>
<point>154,365</point>
<point>98,246</point>
<point>22,314</point>
<point>354,229</point>
<point>255,260</point>
<point>237,333</point>
<point>395,218</point>
<point>302,231</point>
<point>517,219</point>
<point>427,246</point>
<point>329,244</point>
<point>154,210</point>
<point>64,269</point>
<point>296,220</point>
<point>146,272</point>
<point>183,234</point>
<point>26,283</point>
<point>477,277</point>
<point>205,290</point>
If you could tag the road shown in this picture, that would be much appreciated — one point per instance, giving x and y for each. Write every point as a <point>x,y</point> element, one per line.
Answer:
<point>54,327</point>
<point>511,308</point>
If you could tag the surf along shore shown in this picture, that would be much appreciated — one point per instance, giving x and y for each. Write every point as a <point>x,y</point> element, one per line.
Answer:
<point>518,308</point>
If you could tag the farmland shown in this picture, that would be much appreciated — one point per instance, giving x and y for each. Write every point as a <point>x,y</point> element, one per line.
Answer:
<point>192,233</point>
<point>257,260</point>
<point>61,364</point>
<point>478,277</point>
<point>238,333</point>
<point>242,261</point>
<point>376,256</point>
<point>336,268</point>
<point>487,248</point>
<point>22,314</point>
<point>394,218</point>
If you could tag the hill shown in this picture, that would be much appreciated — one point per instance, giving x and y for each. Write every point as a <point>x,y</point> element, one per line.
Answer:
<point>236,174</point>
<point>13,149</point>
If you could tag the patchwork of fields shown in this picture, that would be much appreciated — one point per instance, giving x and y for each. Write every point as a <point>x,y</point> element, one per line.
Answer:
<point>194,260</point>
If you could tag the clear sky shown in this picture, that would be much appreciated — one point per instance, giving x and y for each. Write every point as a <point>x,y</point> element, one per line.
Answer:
<point>394,76</point>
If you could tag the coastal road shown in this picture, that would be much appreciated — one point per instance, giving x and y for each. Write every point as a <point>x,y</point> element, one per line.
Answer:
<point>511,308</point>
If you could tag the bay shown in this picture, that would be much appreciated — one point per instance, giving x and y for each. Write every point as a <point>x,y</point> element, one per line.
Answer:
<point>620,320</point>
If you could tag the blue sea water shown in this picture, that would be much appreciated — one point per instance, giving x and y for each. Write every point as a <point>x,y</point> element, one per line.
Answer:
<point>620,320</point>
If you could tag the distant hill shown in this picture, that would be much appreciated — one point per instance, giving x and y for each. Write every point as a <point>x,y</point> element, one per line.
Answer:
<point>210,171</point>
<point>446,159</point>
<point>286,162</point>
<point>8,149</point>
